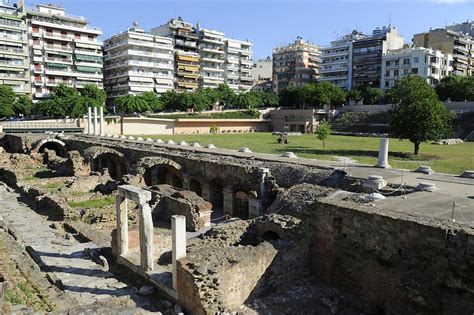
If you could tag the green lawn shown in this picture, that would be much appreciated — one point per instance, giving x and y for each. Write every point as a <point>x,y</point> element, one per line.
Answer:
<point>452,159</point>
<point>93,203</point>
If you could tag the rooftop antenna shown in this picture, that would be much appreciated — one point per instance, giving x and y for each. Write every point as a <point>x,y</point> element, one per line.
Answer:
<point>389,19</point>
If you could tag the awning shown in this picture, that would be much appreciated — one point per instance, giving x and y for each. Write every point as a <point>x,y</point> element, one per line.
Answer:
<point>88,58</point>
<point>57,65</point>
<point>60,53</point>
<point>88,69</point>
<point>90,46</point>
<point>187,58</point>
<point>10,17</point>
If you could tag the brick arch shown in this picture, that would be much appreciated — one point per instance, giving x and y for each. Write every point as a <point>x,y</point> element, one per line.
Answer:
<point>159,170</point>
<point>103,157</point>
<point>52,144</point>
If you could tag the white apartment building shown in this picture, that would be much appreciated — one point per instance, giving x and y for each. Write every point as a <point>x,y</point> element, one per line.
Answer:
<point>430,64</point>
<point>14,61</point>
<point>336,64</point>
<point>63,49</point>
<point>137,62</point>
<point>211,50</point>
<point>238,65</point>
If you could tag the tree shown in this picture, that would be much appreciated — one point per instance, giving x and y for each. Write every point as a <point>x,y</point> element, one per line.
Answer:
<point>456,88</point>
<point>292,97</point>
<point>51,108</point>
<point>245,101</point>
<point>23,105</point>
<point>132,104</point>
<point>153,101</point>
<point>418,114</point>
<point>323,132</point>
<point>7,101</point>
<point>95,97</point>
<point>169,99</point>
<point>371,95</point>
<point>355,95</point>
<point>225,93</point>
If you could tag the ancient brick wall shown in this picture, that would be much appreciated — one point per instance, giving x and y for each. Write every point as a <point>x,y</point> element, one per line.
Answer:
<point>390,264</point>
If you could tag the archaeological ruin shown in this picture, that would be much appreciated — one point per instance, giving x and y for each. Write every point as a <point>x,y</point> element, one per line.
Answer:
<point>113,223</point>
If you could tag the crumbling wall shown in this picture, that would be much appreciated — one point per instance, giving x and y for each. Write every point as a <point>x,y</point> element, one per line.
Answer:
<point>393,264</point>
<point>170,201</point>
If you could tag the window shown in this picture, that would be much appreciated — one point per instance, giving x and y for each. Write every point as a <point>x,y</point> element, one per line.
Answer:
<point>396,62</point>
<point>414,70</point>
<point>387,83</point>
<point>395,73</point>
<point>416,60</point>
<point>406,61</point>
<point>387,73</point>
<point>405,71</point>
<point>387,63</point>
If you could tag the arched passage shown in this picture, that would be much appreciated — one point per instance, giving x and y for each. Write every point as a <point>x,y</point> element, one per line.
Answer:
<point>195,185</point>
<point>241,205</point>
<point>114,163</point>
<point>216,194</point>
<point>163,174</point>
<point>51,144</point>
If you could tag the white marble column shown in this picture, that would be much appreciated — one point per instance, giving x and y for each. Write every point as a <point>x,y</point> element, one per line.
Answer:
<point>121,209</point>
<point>383,154</point>
<point>89,120</point>
<point>147,241</point>
<point>178,234</point>
<point>96,129</point>
<point>101,121</point>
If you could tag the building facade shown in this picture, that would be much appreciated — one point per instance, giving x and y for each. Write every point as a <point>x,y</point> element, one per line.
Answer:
<point>336,64</point>
<point>187,59</point>
<point>295,65</point>
<point>450,42</point>
<point>14,58</point>
<point>432,65</point>
<point>63,49</point>
<point>137,62</point>
<point>238,65</point>
<point>367,55</point>
<point>262,74</point>
<point>212,58</point>
<point>464,28</point>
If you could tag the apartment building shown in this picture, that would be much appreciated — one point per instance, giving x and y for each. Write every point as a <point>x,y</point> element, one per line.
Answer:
<point>238,65</point>
<point>295,65</point>
<point>367,55</point>
<point>262,74</point>
<point>336,64</point>
<point>186,61</point>
<point>212,53</point>
<point>432,65</point>
<point>137,62</point>
<point>450,42</point>
<point>464,28</point>
<point>14,61</point>
<point>63,49</point>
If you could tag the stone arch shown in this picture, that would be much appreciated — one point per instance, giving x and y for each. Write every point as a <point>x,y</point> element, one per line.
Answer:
<point>163,174</point>
<point>195,185</point>
<point>56,145</point>
<point>241,204</point>
<point>103,157</point>
<point>270,236</point>
<point>216,193</point>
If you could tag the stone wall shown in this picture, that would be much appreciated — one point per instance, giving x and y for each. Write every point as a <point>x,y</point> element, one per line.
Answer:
<point>393,264</point>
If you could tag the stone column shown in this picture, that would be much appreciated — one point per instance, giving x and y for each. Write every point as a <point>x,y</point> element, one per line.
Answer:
<point>178,234</point>
<point>186,180</point>
<point>89,120</point>
<point>254,207</point>
<point>263,172</point>
<point>121,210</point>
<point>101,121</point>
<point>383,154</point>
<point>96,129</point>
<point>228,194</point>
<point>147,241</point>
<point>206,193</point>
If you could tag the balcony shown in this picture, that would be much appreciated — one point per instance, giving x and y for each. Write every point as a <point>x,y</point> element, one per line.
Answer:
<point>17,38</point>
<point>246,78</point>
<point>58,48</point>
<point>215,60</point>
<point>186,34</point>
<point>58,60</point>
<point>214,50</point>
<point>66,73</point>
<point>58,36</point>
<point>88,52</point>
<point>11,23</point>
<point>212,69</point>
<point>56,83</point>
<point>5,63</point>
<point>38,70</point>
<point>246,62</point>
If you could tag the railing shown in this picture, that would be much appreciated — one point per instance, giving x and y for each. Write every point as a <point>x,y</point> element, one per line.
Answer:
<point>10,23</point>
<point>12,49</point>
<point>59,47</point>
<point>39,127</point>
<point>10,36</point>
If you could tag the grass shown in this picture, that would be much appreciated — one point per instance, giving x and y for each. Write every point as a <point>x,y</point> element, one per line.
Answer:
<point>453,159</point>
<point>223,115</point>
<point>54,186</point>
<point>93,203</point>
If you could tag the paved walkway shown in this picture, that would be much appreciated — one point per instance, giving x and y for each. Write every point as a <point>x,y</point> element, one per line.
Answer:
<point>83,279</point>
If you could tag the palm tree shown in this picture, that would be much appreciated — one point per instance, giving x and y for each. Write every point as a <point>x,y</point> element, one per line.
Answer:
<point>132,104</point>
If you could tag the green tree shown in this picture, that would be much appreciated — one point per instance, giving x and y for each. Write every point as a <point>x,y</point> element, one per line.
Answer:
<point>23,105</point>
<point>132,104</point>
<point>153,101</point>
<point>355,95</point>
<point>225,93</point>
<point>169,99</point>
<point>418,115</point>
<point>245,101</point>
<point>371,95</point>
<point>292,97</point>
<point>323,132</point>
<point>456,88</point>
<point>95,97</point>
<point>50,107</point>
<point>7,101</point>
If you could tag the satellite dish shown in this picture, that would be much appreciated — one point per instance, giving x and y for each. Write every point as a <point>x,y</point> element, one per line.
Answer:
<point>135,23</point>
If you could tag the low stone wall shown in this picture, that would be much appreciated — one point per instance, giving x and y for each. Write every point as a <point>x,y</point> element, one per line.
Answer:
<point>393,264</point>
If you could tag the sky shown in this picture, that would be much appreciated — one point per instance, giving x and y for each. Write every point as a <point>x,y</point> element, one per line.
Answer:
<point>268,24</point>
